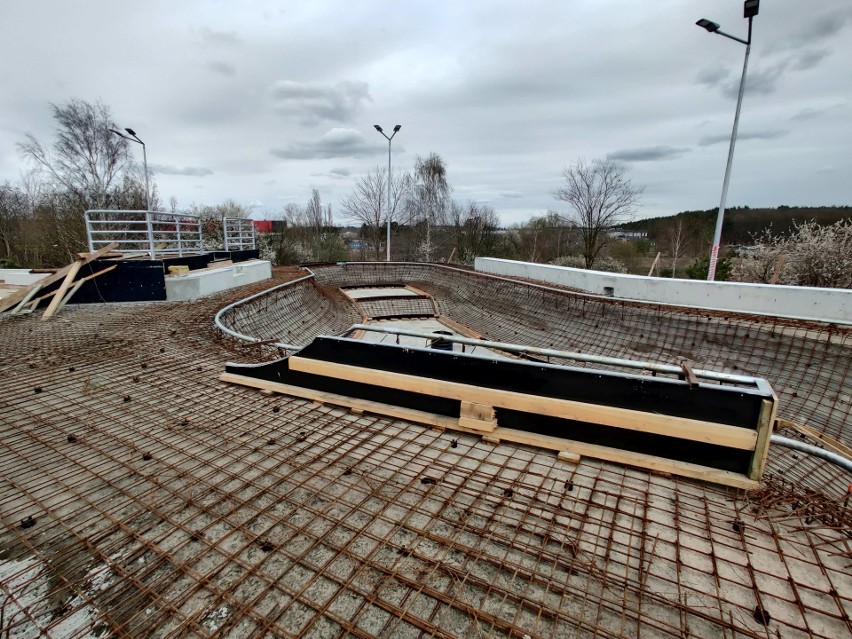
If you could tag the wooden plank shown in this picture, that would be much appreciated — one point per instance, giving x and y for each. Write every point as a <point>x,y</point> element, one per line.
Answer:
<point>764,432</point>
<point>477,417</point>
<point>482,412</point>
<point>648,462</point>
<point>60,292</point>
<point>15,298</point>
<point>458,328</point>
<point>477,425</point>
<point>694,430</point>
<point>419,417</point>
<point>35,288</point>
<point>568,457</point>
<point>70,294</point>
<point>830,443</point>
<point>641,460</point>
<point>81,280</point>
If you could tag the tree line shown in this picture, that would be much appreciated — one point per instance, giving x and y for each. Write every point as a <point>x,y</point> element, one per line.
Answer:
<point>88,167</point>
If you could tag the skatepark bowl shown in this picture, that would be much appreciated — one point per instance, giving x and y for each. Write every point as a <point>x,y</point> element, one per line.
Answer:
<point>144,497</point>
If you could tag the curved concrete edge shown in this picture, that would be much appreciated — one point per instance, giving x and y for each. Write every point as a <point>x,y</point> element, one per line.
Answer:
<point>795,302</point>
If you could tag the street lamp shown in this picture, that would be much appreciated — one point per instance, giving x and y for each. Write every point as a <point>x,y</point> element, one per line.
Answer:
<point>136,139</point>
<point>750,9</point>
<point>395,131</point>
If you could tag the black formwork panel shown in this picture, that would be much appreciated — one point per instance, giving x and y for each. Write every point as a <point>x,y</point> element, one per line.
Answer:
<point>707,402</point>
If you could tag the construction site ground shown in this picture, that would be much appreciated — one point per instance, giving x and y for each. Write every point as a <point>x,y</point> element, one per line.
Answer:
<point>142,497</point>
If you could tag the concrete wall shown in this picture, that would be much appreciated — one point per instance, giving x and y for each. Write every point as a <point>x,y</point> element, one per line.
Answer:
<point>824,304</point>
<point>20,276</point>
<point>206,282</point>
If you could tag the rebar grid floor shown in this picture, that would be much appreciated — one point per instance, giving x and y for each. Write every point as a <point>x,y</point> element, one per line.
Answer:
<point>141,497</point>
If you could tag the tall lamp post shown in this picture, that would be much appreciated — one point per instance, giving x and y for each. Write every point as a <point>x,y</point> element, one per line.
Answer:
<point>136,139</point>
<point>750,9</point>
<point>395,131</point>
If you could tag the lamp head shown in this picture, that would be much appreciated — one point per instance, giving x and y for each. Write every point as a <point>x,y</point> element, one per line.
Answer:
<point>750,8</point>
<point>130,131</point>
<point>397,128</point>
<point>378,128</point>
<point>711,26</point>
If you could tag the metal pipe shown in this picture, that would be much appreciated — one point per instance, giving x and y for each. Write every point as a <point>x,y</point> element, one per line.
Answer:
<point>150,225</point>
<point>810,449</point>
<point>548,352</point>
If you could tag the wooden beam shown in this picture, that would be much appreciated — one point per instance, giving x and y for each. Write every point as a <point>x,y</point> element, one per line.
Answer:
<point>364,405</point>
<point>571,447</point>
<point>568,457</point>
<point>694,430</point>
<point>654,264</point>
<point>69,295</point>
<point>35,288</point>
<point>14,299</point>
<point>60,292</point>
<point>649,462</point>
<point>80,281</point>
<point>764,432</point>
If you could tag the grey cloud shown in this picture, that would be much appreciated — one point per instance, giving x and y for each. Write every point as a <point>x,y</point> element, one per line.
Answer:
<point>168,169</point>
<point>647,154</point>
<point>712,77</point>
<point>511,195</point>
<point>825,169</point>
<point>336,143</point>
<point>313,102</point>
<point>808,59</point>
<point>762,80</point>
<point>212,37</point>
<point>340,173</point>
<point>822,27</point>
<point>768,134</point>
<point>221,67</point>
<point>809,113</point>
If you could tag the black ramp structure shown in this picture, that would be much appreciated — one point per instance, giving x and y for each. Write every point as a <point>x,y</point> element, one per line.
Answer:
<point>709,425</point>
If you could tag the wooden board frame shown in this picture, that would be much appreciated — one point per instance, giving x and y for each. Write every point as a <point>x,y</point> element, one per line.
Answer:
<point>498,435</point>
<point>708,431</point>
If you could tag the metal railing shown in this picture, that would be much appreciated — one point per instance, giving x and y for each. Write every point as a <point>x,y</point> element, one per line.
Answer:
<point>145,232</point>
<point>239,234</point>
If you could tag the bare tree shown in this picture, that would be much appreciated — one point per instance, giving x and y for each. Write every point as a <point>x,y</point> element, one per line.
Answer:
<point>602,197</point>
<point>430,200</point>
<point>86,158</point>
<point>367,204</point>
<point>13,207</point>
<point>678,240</point>
<point>474,230</point>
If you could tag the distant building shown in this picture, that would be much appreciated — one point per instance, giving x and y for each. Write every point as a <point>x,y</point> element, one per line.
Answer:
<point>621,234</point>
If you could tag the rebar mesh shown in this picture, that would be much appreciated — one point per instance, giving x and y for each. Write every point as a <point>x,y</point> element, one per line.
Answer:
<point>141,497</point>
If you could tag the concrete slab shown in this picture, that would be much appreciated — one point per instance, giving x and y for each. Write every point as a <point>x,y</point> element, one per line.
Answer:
<point>367,293</point>
<point>209,281</point>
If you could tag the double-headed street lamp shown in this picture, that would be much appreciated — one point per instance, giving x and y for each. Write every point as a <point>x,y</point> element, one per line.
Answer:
<point>395,131</point>
<point>135,138</point>
<point>750,9</point>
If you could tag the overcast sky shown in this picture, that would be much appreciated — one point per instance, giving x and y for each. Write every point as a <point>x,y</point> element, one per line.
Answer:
<point>263,101</point>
